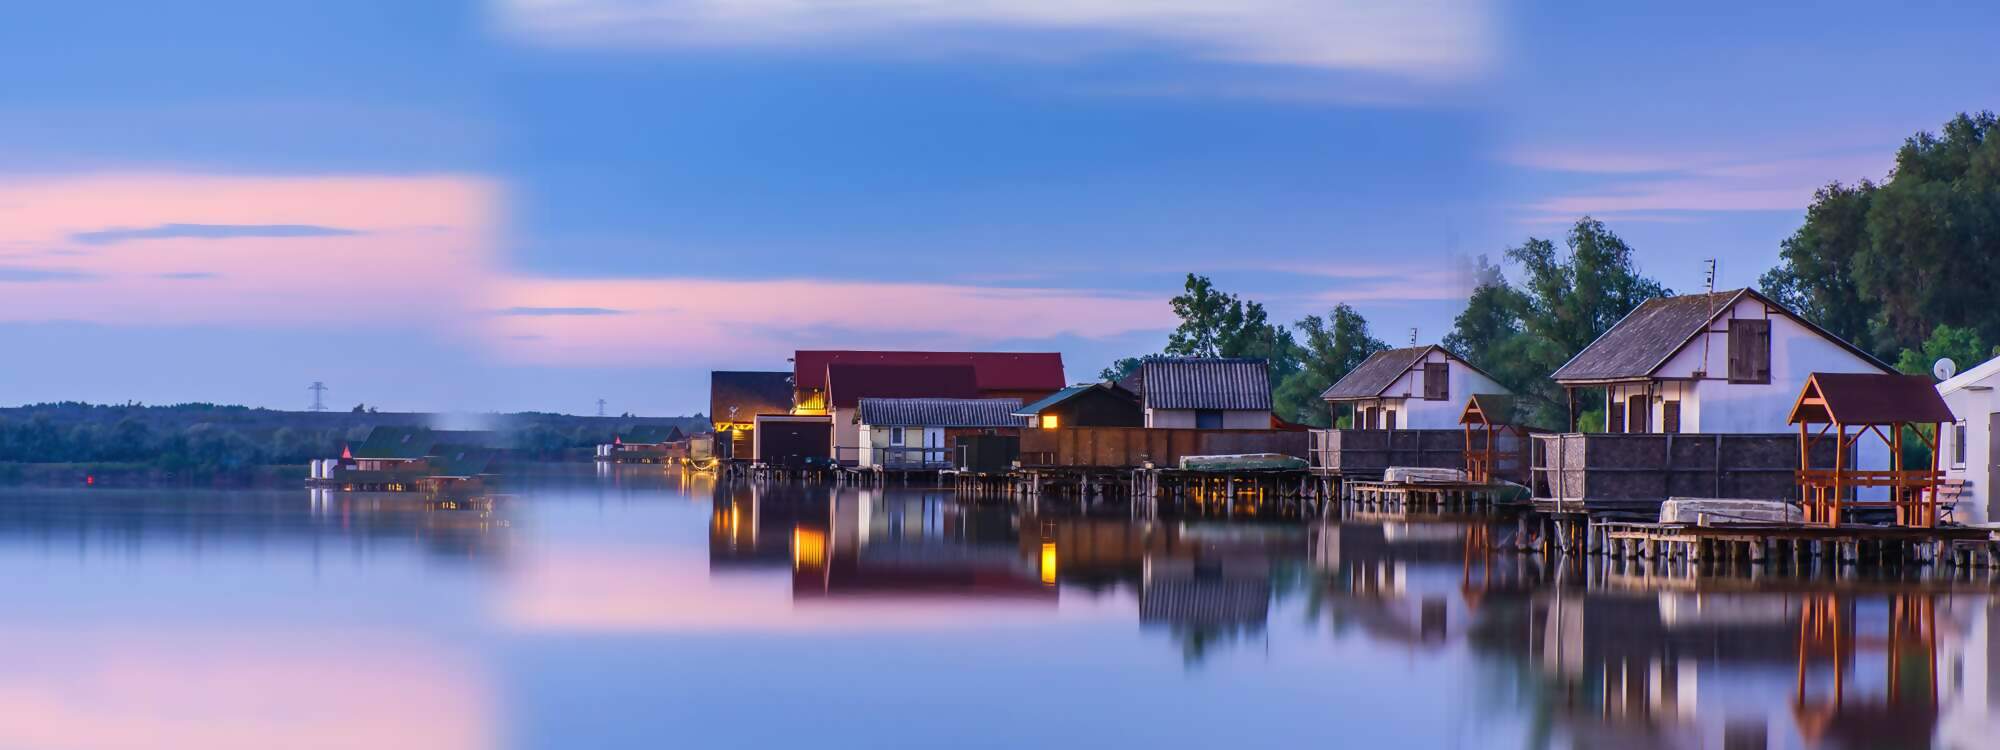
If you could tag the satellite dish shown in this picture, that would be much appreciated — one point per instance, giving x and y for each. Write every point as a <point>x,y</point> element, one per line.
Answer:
<point>1944,369</point>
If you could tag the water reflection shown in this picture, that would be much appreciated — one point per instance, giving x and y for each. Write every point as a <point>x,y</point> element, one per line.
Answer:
<point>651,607</point>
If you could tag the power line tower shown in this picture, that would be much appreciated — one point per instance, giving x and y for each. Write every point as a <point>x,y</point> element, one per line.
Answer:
<point>600,407</point>
<point>319,392</point>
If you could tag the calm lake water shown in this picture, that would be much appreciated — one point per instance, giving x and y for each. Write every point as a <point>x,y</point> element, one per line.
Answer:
<point>647,609</point>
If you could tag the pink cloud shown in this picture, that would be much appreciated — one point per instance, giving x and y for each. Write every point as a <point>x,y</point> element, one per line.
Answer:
<point>691,320</point>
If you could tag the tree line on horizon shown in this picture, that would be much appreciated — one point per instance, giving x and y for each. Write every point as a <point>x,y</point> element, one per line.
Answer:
<point>1906,269</point>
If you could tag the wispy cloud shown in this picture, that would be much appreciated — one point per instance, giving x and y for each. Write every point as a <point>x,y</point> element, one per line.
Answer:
<point>1443,39</point>
<point>188,275</point>
<point>552,312</point>
<point>32,275</point>
<point>1655,186</point>
<point>208,231</point>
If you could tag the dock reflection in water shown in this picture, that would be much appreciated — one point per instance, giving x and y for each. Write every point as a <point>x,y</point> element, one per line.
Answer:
<point>647,608</point>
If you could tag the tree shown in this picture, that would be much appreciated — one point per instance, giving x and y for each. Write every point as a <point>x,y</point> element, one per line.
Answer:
<point>1962,345</point>
<point>1567,299</point>
<point>1218,324</point>
<point>1333,347</point>
<point>1882,265</point>
<point>1815,275</point>
<point>1119,369</point>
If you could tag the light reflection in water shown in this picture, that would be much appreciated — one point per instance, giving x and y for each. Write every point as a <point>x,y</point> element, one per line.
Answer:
<point>181,616</point>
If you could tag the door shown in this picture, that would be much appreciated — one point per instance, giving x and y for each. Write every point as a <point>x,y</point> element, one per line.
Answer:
<point>1992,467</point>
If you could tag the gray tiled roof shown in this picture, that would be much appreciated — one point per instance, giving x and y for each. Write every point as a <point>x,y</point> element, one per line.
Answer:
<point>1205,383</point>
<point>941,412</point>
<point>1646,338</point>
<point>1376,373</point>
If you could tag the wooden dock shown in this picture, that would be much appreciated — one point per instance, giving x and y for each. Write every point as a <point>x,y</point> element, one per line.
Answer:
<point>1799,545</point>
<point>1441,496</point>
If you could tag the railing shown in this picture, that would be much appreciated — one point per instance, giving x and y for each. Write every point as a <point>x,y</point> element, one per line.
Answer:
<point>897,457</point>
<point>1913,494</point>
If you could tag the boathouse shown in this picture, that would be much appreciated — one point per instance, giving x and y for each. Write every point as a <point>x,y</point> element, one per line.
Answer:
<point>1726,362</point>
<point>923,433</point>
<point>847,384</point>
<point>736,397</point>
<point>1024,375</point>
<point>792,441</point>
<point>1086,405</point>
<point>644,444</point>
<point>1208,393</point>
<point>1698,395</point>
<point>1971,454</point>
<point>1413,388</point>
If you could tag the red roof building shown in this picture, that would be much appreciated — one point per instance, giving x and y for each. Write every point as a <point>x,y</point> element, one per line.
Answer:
<point>1024,375</point>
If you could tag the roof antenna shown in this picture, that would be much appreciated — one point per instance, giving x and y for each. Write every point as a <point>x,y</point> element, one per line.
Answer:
<point>1711,275</point>
<point>1413,336</point>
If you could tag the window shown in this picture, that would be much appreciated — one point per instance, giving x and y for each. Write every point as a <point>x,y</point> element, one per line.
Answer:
<point>1208,419</point>
<point>895,436</point>
<point>1638,413</point>
<point>1749,351</point>
<point>1958,444</point>
<point>1437,381</point>
<point>1051,421</point>
<point>1670,417</point>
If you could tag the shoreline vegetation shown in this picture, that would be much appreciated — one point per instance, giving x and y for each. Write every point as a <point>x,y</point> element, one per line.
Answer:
<point>1904,268</point>
<point>201,443</point>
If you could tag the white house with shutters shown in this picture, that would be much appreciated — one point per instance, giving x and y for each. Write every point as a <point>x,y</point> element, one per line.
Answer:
<point>1725,362</point>
<point>1414,388</point>
<point>1969,454</point>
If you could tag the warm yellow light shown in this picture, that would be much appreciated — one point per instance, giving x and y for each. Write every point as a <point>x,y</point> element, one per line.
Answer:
<point>1050,422</point>
<point>808,549</point>
<point>1048,563</point>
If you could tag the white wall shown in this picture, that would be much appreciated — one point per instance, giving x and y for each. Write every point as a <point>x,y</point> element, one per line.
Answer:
<point>1231,419</point>
<point>1975,409</point>
<point>1716,405</point>
<point>846,434</point>
<point>1417,413</point>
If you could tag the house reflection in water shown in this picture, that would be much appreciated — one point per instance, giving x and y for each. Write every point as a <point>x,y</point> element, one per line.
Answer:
<point>1415,581</point>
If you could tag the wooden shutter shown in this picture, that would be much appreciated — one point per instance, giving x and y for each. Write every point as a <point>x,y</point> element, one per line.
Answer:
<point>1638,414</point>
<point>1749,351</point>
<point>1437,381</point>
<point>1670,417</point>
<point>1390,421</point>
<point>1614,417</point>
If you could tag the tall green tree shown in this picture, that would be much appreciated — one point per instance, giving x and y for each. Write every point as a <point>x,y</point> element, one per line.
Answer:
<point>1963,346</point>
<point>1332,346</point>
<point>1883,265</point>
<point>1218,324</point>
<point>1117,370</point>
<point>1568,297</point>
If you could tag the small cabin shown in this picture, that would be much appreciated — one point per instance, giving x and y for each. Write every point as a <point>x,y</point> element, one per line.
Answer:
<point>1086,405</point>
<point>1208,393</point>
<point>1726,362</point>
<point>922,433</point>
<point>1971,447</point>
<point>1413,388</point>
<point>848,384</point>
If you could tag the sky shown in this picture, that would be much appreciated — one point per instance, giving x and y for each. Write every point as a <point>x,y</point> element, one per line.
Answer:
<point>535,204</point>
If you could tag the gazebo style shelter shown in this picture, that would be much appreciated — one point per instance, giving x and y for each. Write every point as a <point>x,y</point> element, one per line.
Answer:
<point>1496,441</point>
<point>1849,406</point>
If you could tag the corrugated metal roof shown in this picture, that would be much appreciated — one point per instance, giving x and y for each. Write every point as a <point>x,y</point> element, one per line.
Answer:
<point>995,371</point>
<point>1376,373</point>
<point>1205,383</point>
<point>749,393</point>
<point>847,384</point>
<point>1858,398</point>
<point>942,412</point>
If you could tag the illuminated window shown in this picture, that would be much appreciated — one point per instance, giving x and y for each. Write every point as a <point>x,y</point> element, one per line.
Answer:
<point>1048,563</point>
<point>1050,422</point>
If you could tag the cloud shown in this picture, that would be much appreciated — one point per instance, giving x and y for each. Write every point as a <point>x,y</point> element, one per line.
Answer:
<point>33,275</point>
<point>1649,187</point>
<point>1440,39</point>
<point>208,231</point>
<point>698,320</point>
<point>188,275</point>
<point>544,312</point>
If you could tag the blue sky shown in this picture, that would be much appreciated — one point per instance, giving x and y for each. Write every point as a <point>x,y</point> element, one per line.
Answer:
<point>531,204</point>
